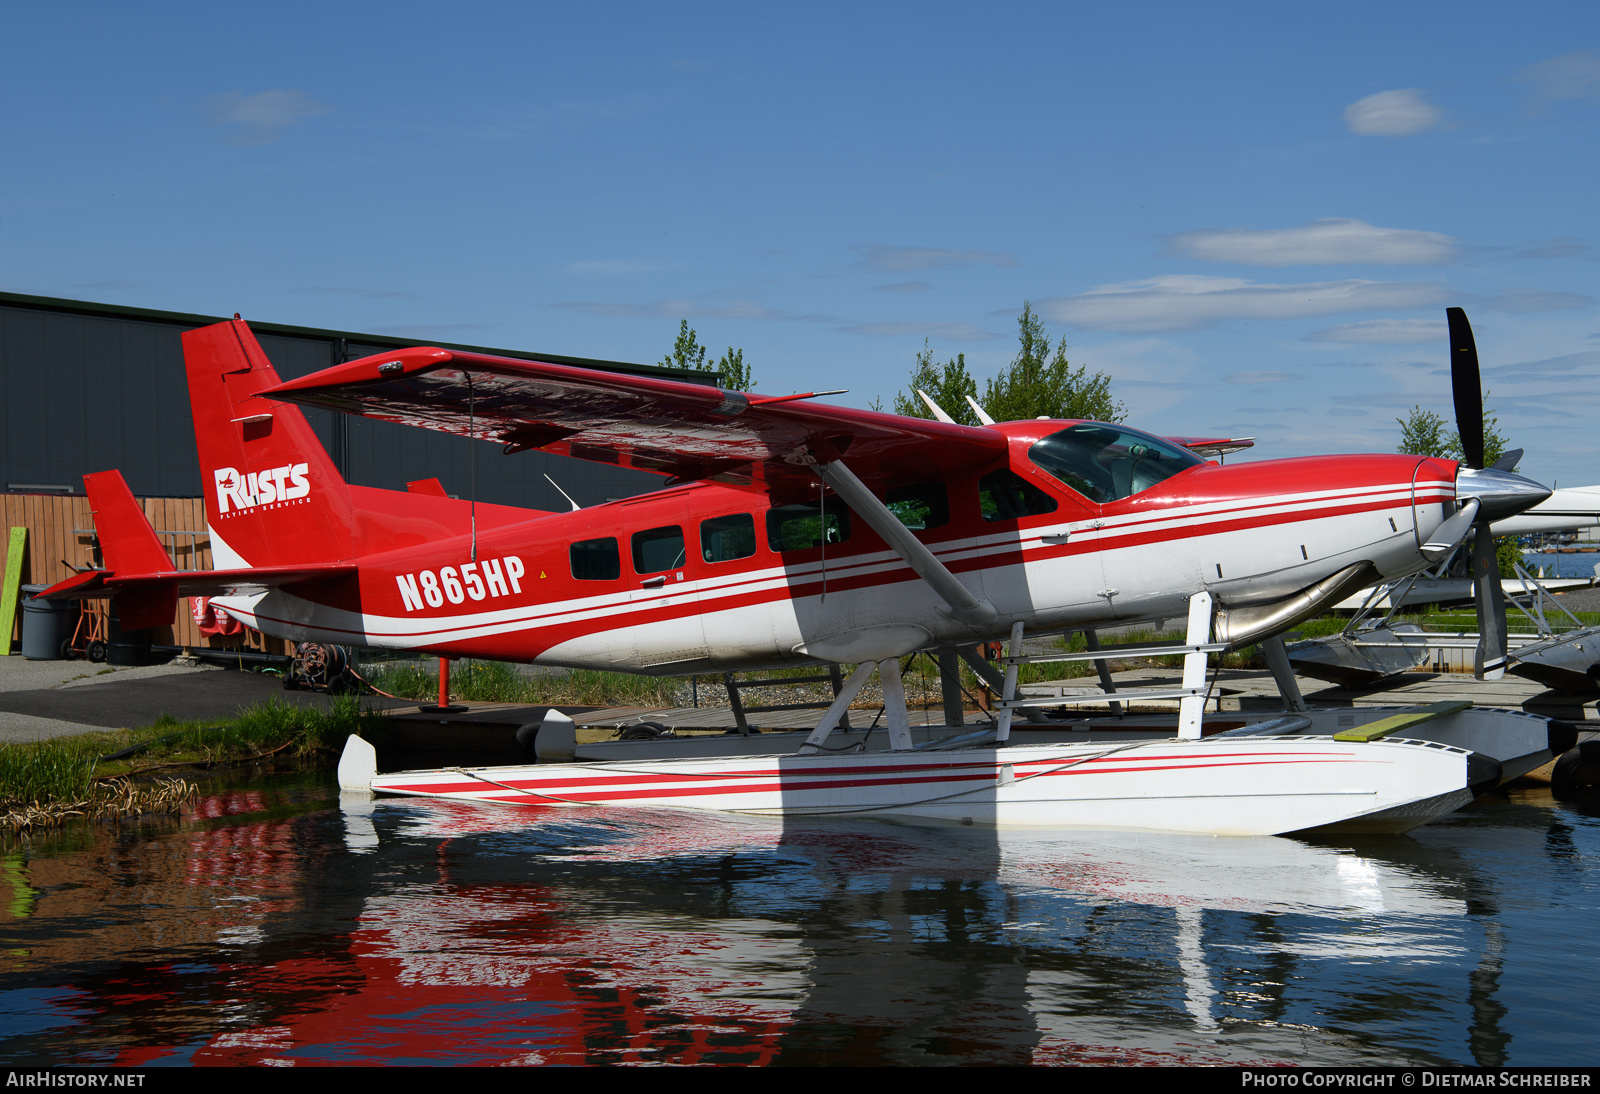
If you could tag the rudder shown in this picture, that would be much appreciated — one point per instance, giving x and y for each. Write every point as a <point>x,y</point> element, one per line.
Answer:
<point>273,496</point>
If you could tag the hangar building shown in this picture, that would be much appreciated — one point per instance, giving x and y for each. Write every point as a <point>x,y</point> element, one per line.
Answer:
<point>92,387</point>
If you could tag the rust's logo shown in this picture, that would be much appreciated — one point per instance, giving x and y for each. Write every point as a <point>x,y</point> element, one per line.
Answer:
<point>256,488</point>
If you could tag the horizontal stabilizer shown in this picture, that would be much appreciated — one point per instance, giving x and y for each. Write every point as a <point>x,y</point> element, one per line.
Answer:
<point>1212,447</point>
<point>95,584</point>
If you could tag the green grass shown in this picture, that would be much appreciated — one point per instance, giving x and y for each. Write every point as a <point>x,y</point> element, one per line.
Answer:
<point>68,769</point>
<point>499,682</point>
<point>39,772</point>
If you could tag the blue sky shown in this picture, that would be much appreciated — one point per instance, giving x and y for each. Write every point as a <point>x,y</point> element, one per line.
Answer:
<point>1252,216</point>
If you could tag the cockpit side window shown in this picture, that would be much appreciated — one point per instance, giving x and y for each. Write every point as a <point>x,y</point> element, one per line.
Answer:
<point>1107,462</point>
<point>1006,495</point>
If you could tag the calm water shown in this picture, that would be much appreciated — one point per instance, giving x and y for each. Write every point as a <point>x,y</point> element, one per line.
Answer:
<point>279,926</point>
<point>1577,564</point>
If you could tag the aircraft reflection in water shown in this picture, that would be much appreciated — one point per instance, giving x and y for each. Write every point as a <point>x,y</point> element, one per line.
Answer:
<point>450,933</point>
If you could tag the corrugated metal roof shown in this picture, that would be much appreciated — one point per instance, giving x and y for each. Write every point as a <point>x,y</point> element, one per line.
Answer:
<point>383,341</point>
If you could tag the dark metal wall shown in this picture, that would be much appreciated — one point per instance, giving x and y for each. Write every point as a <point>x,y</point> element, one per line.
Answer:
<point>87,387</point>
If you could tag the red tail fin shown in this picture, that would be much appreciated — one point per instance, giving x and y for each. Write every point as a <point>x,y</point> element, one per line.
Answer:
<point>128,544</point>
<point>273,497</point>
<point>130,548</point>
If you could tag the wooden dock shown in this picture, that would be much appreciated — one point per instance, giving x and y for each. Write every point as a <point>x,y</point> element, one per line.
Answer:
<point>491,727</point>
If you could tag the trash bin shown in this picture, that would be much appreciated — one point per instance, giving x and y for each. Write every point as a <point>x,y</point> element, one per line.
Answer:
<point>47,625</point>
<point>126,647</point>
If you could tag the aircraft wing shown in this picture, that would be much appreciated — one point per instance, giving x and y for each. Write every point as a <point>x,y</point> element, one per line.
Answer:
<point>686,431</point>
<point>1565,510</point>
<point>1214,446</point>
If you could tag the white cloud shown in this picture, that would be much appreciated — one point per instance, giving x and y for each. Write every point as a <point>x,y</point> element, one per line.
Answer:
<point>907,286</point>
<point>689,309</point>
<point>1570,76</point>
<point>1392,114</point>
<point>955,332</point>
<point>1188,302</point>
<point>1154,361</point>
<point>1392,332</point>
<point>888,259</point>
<point>1564,247</point>
<point>1566,368</point>
<point>1320,243</point>
<point>262,118</point>
<point>1535,300</point>
<point>1258,377</point>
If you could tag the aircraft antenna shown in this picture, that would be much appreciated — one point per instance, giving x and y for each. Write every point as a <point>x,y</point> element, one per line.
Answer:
<point>983,415</point>
<point>557,485</point>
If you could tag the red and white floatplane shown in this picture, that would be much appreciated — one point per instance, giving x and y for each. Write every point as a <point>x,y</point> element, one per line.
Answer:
<point>791,532</point>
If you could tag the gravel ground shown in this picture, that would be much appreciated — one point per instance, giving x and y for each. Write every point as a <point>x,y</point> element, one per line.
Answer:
<point>1580,600</point>
<point>17,673</point>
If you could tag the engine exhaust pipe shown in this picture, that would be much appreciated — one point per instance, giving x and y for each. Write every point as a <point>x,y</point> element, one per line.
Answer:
<point>1243,626</point>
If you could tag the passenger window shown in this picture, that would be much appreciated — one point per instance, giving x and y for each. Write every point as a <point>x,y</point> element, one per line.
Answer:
<point>596,560</point>
<point>920,506</point>
<point>658,549</point>
<point>723,539</point>
<point>798,527</point>
<point>1005,495</point>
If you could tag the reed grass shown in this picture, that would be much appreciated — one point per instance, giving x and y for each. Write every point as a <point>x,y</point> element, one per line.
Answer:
<point>124,772</point>
<point>477,681</point>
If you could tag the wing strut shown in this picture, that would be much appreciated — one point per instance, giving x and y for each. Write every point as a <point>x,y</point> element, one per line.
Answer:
<point>965,606</point>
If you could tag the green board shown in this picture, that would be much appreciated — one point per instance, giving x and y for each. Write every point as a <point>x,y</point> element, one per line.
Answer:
<point>13,583</point>
<point>1385,726</point>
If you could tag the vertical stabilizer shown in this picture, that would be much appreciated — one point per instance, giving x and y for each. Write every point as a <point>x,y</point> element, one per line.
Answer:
<point>128,545</point>
<point>273,496</point>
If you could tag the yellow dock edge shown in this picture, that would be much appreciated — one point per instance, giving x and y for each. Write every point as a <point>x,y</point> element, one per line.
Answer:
<point>1385,726</point>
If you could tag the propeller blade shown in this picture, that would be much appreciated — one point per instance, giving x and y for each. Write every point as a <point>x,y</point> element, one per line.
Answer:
<point>1451,532</point>
<point>1490,661</point>
<point>1466,386</point>
<point>1509,461</point>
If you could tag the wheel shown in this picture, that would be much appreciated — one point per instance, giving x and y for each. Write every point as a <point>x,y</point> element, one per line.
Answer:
<point>67,652</point>
<point>97,651</point>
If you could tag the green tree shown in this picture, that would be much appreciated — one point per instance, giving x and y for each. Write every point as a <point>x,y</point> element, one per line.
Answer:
<point>1424,433</point>
<point>1039,382</point>
<point>946,384</point>
<point>688,353</point>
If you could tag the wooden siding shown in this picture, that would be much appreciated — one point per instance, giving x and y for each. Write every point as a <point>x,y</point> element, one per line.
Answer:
<point>61,539</point>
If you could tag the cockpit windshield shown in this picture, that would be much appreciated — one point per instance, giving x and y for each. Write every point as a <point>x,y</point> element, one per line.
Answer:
<point>1107,462</point>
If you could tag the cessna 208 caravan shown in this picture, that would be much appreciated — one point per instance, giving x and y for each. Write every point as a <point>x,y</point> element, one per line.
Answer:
<point>788,531</point>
